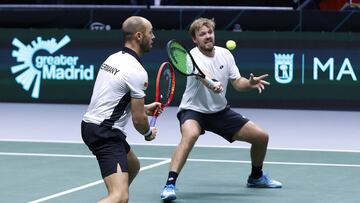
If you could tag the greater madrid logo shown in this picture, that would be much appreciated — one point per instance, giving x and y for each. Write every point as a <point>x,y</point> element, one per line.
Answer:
<point>36,62</point>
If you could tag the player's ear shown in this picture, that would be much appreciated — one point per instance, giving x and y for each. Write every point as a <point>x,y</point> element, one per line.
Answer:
<point>138,35</point>
<point>194,40</point>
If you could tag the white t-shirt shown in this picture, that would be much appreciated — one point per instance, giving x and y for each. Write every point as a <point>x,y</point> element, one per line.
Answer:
<point>120,78</point>
<point>222,67</point>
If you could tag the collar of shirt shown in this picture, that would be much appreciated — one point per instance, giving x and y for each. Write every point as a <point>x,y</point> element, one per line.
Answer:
<point>132,53</point>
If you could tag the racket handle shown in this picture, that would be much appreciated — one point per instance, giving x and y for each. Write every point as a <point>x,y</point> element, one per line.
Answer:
<point>210,82</point>
<point>153,121</point>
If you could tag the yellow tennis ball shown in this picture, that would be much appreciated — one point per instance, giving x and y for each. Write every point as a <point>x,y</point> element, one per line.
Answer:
<point>231,44</point>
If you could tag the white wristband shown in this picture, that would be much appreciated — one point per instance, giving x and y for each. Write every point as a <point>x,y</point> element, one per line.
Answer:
<point>148,133</point>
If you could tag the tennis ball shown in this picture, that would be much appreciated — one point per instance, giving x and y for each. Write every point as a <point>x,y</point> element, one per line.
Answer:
<point>231,44</point>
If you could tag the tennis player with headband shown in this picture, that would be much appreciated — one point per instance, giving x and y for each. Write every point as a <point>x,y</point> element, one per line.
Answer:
<point>203,109</point>
<point>119,93</point>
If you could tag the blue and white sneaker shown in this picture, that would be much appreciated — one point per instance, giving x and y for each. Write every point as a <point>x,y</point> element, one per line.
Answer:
<point>168,193</point>
<point>263,182</point>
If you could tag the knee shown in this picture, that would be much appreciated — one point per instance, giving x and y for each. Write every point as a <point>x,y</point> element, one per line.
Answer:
<point>190,137</point>
<point>190,132</point>
<point>134,163</point>
<point>260,138</point>
<point>264,138</point>
<point>133,171</point>
<point>137,166</point>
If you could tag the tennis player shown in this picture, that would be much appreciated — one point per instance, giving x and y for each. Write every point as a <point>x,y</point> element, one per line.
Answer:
<point>119,93</point>
<point>201,109</point>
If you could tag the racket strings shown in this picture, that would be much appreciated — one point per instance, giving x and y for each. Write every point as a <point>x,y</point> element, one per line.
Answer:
<point>165,84</point>
<point>180,58</point>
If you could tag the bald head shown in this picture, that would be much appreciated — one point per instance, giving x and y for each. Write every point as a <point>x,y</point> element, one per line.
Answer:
<point>138,34</point>
<point>134,24</point>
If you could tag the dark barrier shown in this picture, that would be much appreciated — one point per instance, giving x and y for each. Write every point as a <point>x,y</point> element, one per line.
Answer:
<point>179,17</point>
<point>307,70</point>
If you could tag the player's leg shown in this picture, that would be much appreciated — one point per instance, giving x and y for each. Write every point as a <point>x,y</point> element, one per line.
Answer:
<point>117,186</point>
<point>190,132</point>
<point>117,183</point>
<point>133,164</point>
<point>111,155</point>
<point>258,138</point>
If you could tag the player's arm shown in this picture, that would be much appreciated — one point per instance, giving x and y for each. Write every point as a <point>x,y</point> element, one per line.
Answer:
<point>244,84</point>
<point>140,119</point>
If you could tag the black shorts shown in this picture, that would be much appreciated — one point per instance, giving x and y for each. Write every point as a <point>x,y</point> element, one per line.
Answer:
<point>108,145</point>
<point>224,123</point>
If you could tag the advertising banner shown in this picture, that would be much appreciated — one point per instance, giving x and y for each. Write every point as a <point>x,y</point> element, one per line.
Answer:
<point>306,70</point>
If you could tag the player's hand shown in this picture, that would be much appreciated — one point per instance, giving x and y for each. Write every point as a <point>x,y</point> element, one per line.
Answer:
<point>152,108</point>
<point>153,134</point>
<point>258,82</point>
<point>213,85</point>
<point>217,88</point>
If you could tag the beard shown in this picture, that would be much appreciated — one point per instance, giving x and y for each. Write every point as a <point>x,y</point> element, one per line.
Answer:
<point>207,47</point>
<point>145,45</point>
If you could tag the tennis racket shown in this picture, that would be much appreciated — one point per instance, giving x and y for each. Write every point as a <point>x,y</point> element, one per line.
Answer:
<point>165,86</point>
<point>183,61</point>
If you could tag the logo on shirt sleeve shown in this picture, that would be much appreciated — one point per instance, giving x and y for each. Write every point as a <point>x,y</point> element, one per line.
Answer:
<point>146,84</point>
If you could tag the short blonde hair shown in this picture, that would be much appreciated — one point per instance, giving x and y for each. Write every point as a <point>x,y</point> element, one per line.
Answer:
<point>198,23</point>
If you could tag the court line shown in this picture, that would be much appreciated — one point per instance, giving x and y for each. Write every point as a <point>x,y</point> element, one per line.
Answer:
<point>92,184</point>
<point>45,155</point>
<point>174,145</point>
<point>42,141</point>
<point>190,159</point>
<point>276,163</point>
<point>248,147</point>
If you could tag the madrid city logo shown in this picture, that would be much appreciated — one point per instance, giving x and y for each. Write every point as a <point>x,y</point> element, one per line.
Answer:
<point>284,68</point>
<point>38,61</point>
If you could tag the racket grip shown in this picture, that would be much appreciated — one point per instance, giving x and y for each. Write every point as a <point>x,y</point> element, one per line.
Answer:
<point>153,121</point>
<point>210,82</point>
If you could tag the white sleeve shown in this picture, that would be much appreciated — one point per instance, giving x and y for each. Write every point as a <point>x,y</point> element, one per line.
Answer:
<point>137,83</point>
<point>234,72</point>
